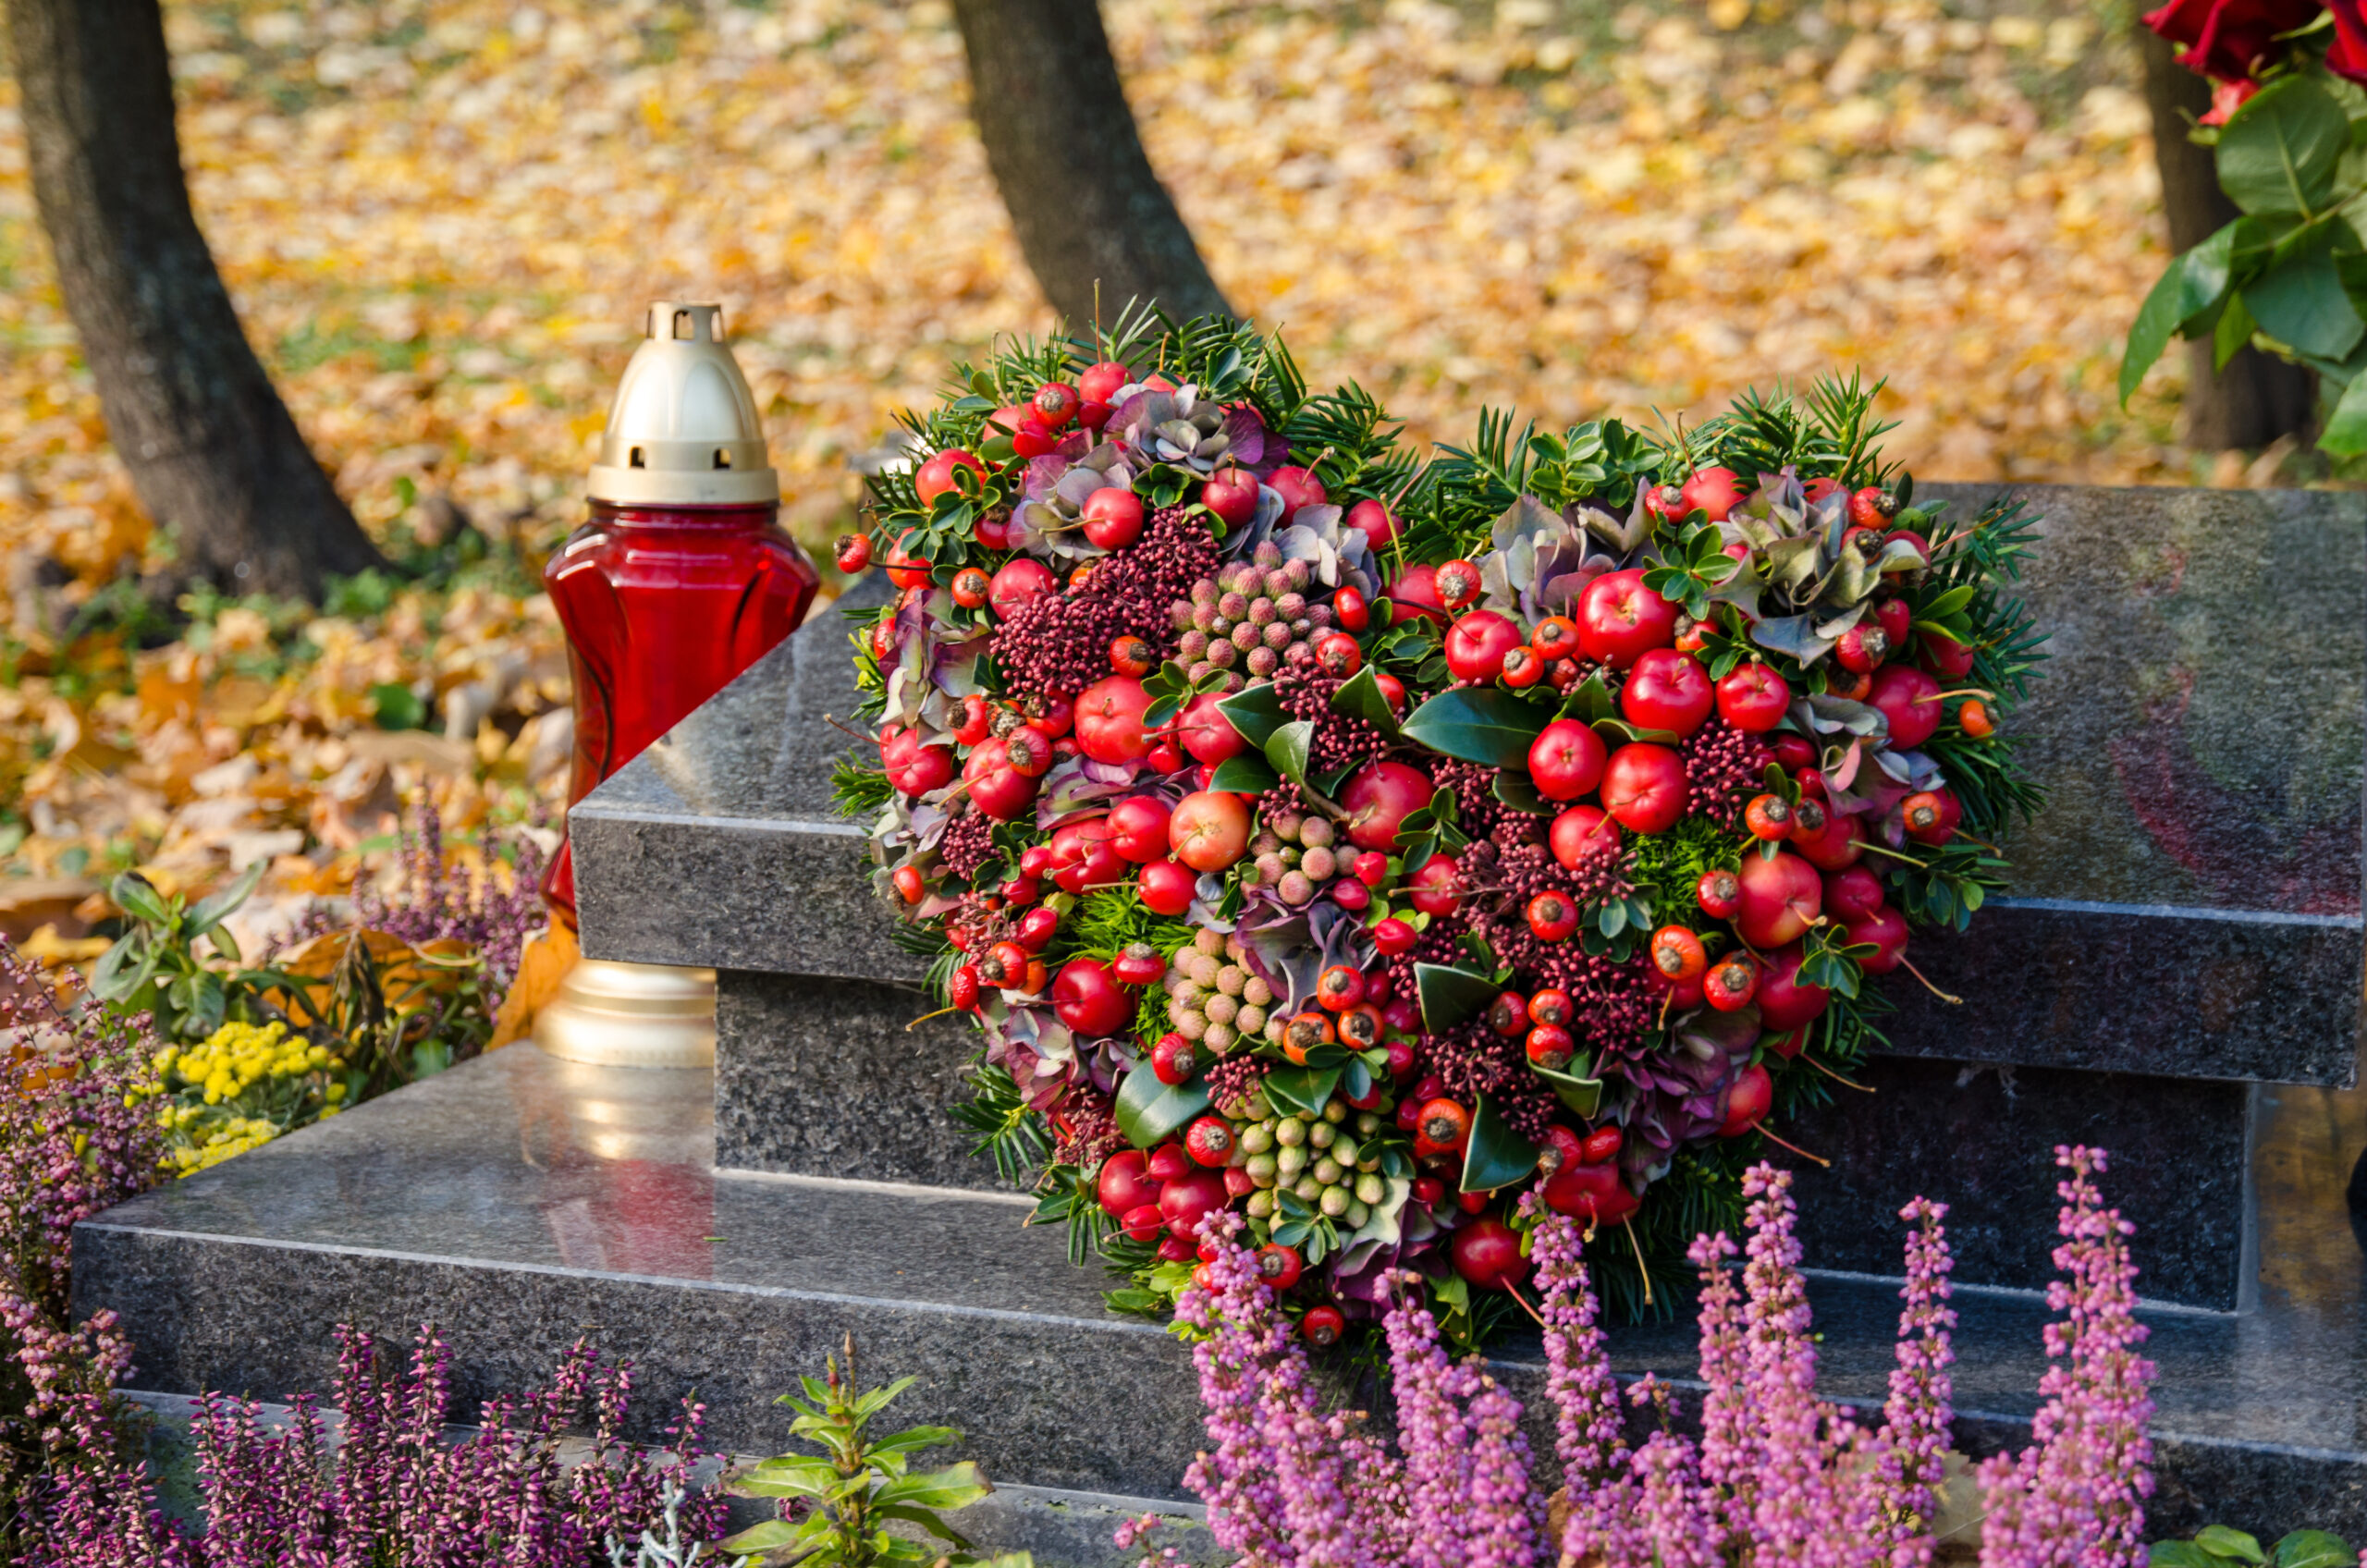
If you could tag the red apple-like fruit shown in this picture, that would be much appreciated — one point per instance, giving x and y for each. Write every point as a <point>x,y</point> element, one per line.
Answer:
<point>1944,657</point>
<point>1083,855</point>
<point>998,789</point>
<point>1138,829</point>
<point>1186,1200</point>
<point>1099,383</point>
<point>1852,894</point>
<point>1379,799</point>
<point>1644,788</point>
<point>1784,1004</point>
<point>1780,896</point>
<point>1209,829</point>
<point>936,476</point>
<point>1580,830</point>
<point>1166,887</point>
<point>1113,518</point>
<point>1590,1192</point>
<point>1748,1099</point>
<point>1716,491</point>
<point>1206,732</point>
<point>1232,494</point>
<point>1476,643</point>
<point>1297,487</point>
<point>1487,1253</point>
<point>1088,998</point>
<point>1620,620</point>
<point>1020,582</point>
<point>1565,761</point>
<point>1436,886</point>
<point>1125,1181</point>
<point>1375,521</point>
<point>1109,720</point>
<point>1667,690</point>
<point>1416,592</point>
<point>1886,929</point>
<point>1840,844</point>
<point>1910,701</point>
<point>1754,699</point>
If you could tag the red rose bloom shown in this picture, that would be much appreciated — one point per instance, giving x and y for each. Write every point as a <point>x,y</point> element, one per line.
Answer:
<point>2348,55</point>
<point>2225,39</point>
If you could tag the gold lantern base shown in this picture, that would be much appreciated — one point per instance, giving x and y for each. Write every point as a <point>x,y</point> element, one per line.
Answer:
<point>610,1014</point>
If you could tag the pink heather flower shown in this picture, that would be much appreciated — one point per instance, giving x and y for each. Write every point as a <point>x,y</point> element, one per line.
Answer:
<point>1244,1337</point>
<point>1916,1416</point>
<point>2074,1498</point>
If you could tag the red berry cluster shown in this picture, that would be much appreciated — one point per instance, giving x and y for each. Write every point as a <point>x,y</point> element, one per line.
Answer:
<point>968,845</point>
<point>1060,641</point>
<point>1723,768</point>
<point>1339,738</point>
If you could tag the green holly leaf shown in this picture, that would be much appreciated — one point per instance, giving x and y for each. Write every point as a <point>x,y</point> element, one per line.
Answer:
<point>1582,1096</point>
<point>1477,724</point>
<point>1150,1112</point>
<point>1256,712</point>
<point>1495,1155</point>
<point>1363,698</point>
<point>1306,1089</point>
<point>1246,774</point>
<point>1448,995</point>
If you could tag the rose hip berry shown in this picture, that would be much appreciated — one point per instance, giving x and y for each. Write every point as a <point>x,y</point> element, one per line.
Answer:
<point>1731,983</point>
<point>1348,608</point>
<point>1443,1125</point>
<point>1553,917</point>
<point>1339,988</point>
<point>1549,1046</point>
<point>1767,817</point>
<point>1974,720</point>
<point>1508,1014</point>
<point>1458,583</point>
<point>1336,654</point>
<point>1209,1141</point>
<point>853,553</point>
<point>1173,1060</point>
<point>1677,955</point>
<point>1323,1326</point>
<point>1056,404</point>
<point>970,587</point>
<point>1551,1005</point>
<point>1132,656</point>
<point>1555,637</point>
<point>1278,1266</point>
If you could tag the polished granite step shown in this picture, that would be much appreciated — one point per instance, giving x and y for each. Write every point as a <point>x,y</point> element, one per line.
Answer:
<point>521,1203</point>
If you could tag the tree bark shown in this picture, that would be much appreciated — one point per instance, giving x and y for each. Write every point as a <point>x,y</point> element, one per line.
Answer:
<point>212,450</point>
<point>1062,145</point>
<point>2259,397</point>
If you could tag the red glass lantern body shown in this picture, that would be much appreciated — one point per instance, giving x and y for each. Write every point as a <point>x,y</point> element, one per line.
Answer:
<point>662,606</point>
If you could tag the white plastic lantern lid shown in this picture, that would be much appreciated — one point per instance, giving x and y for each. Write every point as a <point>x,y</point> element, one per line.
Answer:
<point>683,429</point>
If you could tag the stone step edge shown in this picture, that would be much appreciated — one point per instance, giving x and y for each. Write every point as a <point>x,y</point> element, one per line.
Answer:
<point>1063,1528</point>
<point>1985,1430</point>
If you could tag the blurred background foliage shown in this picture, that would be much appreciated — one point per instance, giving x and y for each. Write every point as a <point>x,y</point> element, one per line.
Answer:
<point>440,220</point>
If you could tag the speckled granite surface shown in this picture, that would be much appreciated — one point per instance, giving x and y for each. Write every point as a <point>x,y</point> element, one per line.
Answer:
<point>521,1202</point>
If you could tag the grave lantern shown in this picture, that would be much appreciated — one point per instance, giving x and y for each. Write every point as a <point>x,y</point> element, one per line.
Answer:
<point>680,579</point>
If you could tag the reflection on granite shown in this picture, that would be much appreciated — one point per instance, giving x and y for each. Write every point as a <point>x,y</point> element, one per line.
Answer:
<point>521,1203</point>
<point>824,1078</point>
<point>2200,718</point>
<point>2107,988</point>
<point>1981,1140</point>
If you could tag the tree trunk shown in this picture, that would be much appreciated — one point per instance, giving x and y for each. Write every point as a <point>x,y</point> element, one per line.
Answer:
<point>2259,397</point>
<point>1065,154</point>
<point>213,452</point>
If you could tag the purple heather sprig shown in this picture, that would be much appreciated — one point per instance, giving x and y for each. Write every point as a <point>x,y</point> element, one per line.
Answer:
<point>1917,1414</point>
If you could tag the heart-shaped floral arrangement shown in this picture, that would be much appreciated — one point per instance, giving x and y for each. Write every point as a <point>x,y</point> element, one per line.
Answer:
<point>1359,841</point>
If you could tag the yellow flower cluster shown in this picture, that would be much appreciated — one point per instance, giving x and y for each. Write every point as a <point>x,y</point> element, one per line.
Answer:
<point>237,1089</point>
<point>237,1056</point>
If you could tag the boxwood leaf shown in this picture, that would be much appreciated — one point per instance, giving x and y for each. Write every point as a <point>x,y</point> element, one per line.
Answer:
<point>1496,1155</point>
<point>1150,1112</point>
<point>1448,995</point>
<point>1303,1089</point>
<point>1475,724</point>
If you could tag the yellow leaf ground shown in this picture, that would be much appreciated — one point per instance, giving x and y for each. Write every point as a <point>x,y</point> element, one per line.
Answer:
<point>441,219</point>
